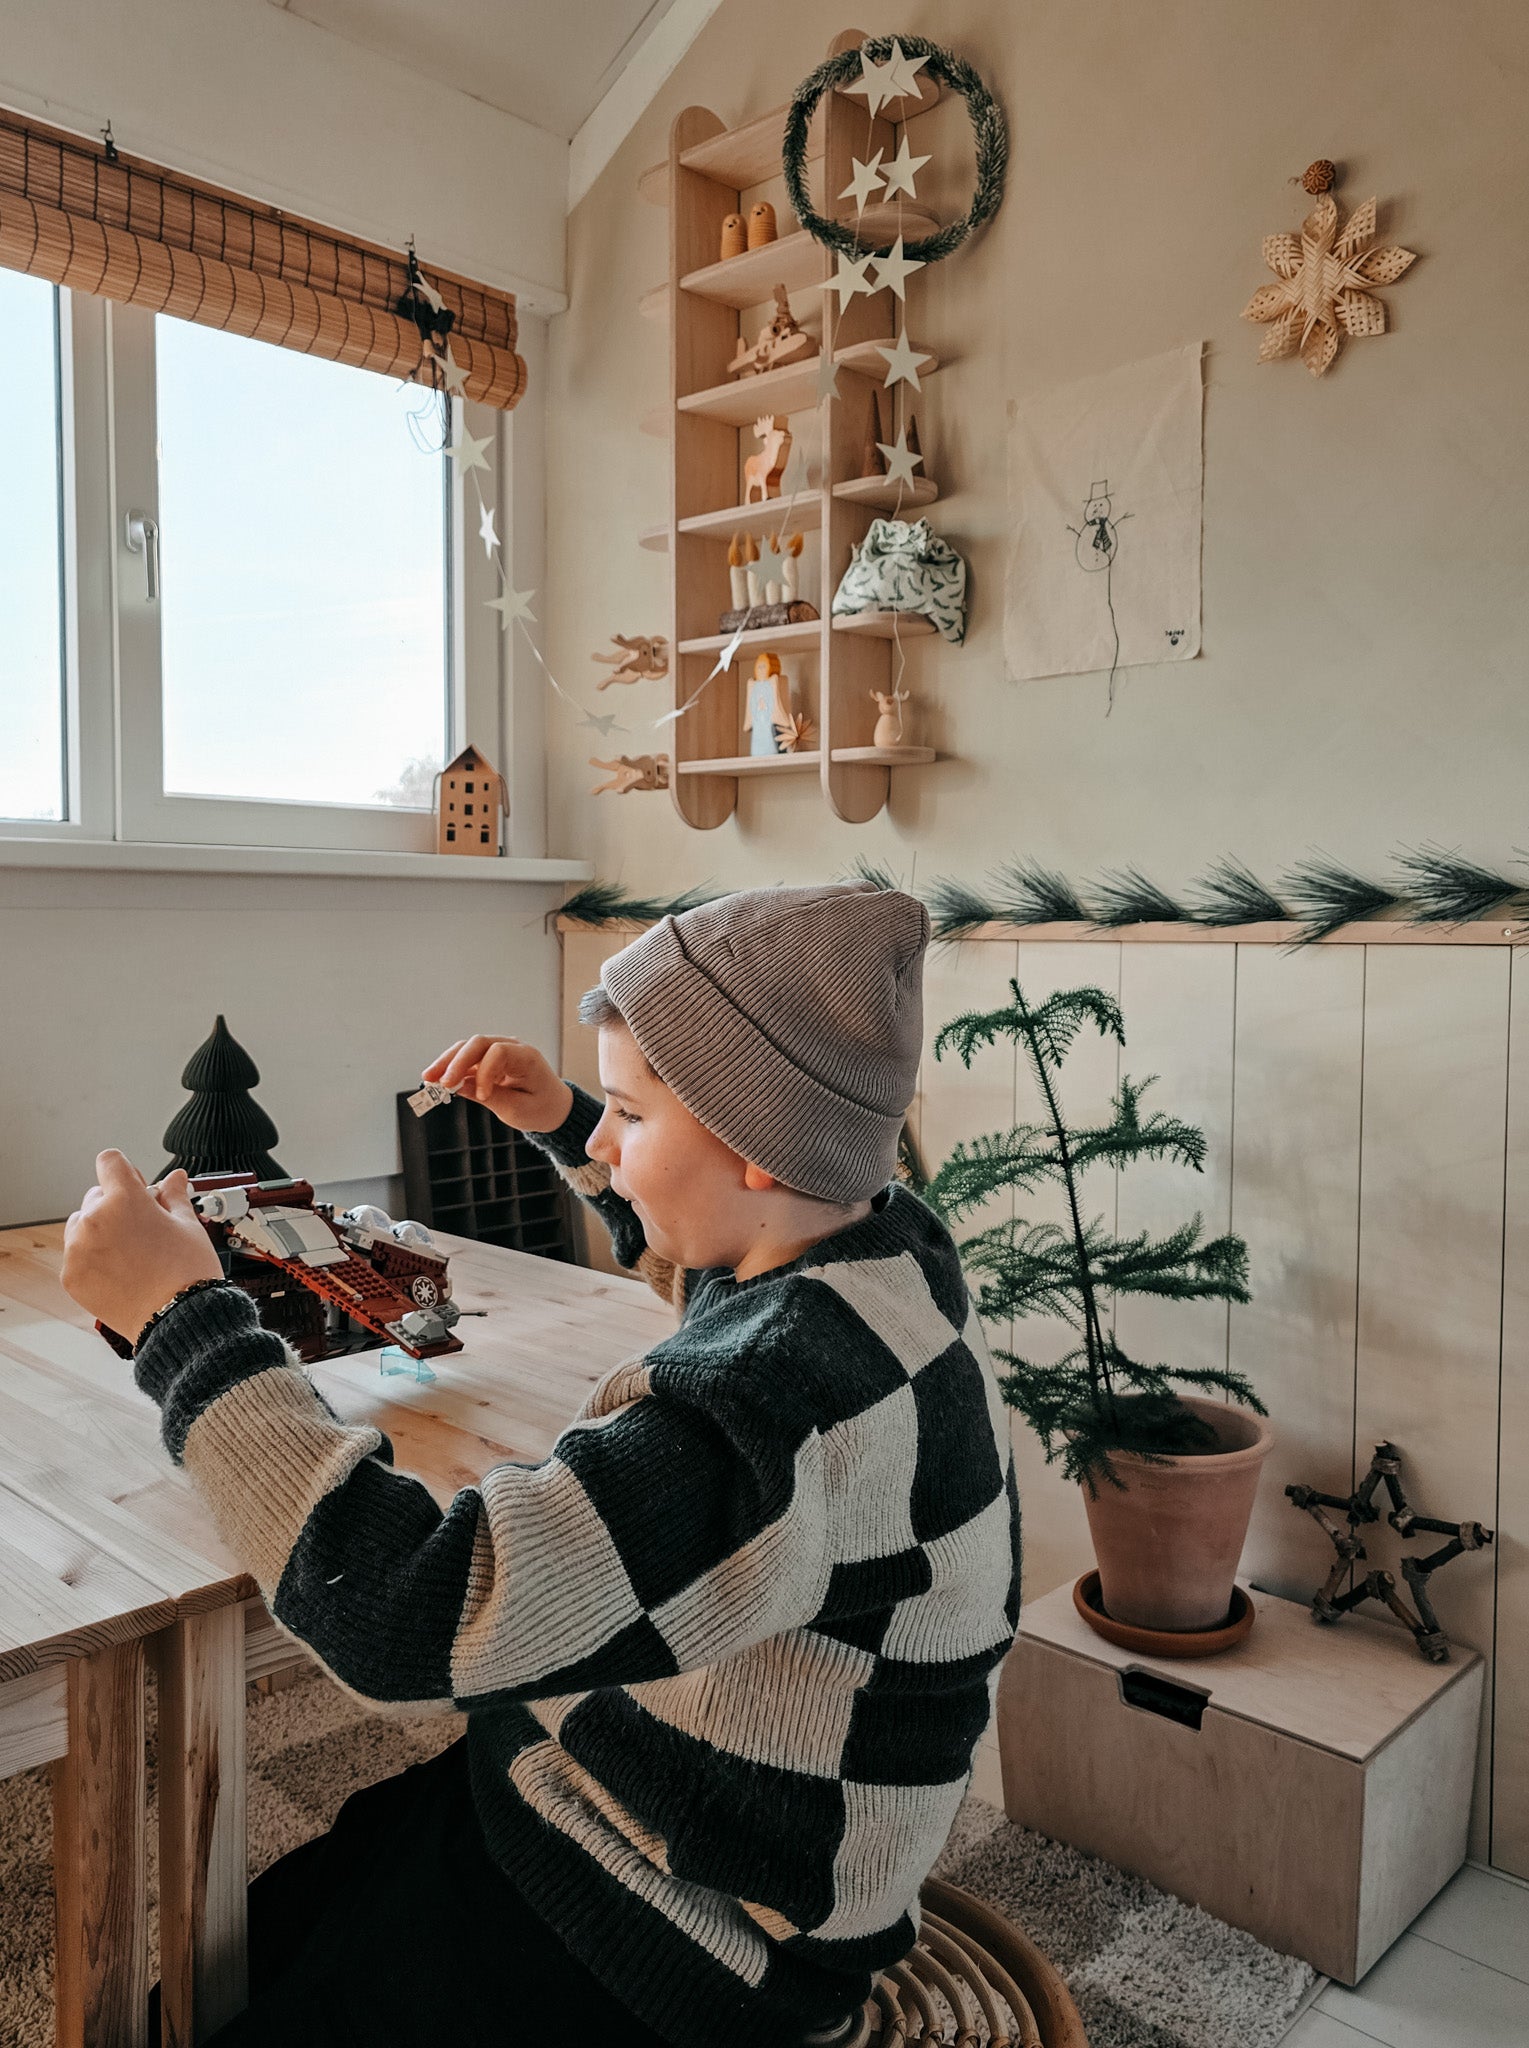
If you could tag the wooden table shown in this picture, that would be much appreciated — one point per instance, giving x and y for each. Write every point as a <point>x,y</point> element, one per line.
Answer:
<point>108,1556</point>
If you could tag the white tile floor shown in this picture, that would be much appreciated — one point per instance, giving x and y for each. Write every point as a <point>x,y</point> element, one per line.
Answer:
<point>1458,1978</point>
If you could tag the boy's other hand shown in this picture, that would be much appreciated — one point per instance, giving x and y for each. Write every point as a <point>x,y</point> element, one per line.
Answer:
<point>130,1247</point>
<point>511,1080</point>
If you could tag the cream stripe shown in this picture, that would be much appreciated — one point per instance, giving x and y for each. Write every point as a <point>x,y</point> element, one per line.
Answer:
<point>786,1702</point>
<point>263,1456</point>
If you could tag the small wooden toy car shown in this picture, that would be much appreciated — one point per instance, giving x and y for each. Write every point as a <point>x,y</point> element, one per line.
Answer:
<point>328,1284</point>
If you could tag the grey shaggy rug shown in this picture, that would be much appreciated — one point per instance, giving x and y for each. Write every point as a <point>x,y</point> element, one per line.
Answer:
<point>1146,1970</point>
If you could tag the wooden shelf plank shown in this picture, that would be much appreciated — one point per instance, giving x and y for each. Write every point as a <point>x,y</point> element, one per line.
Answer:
<point>885,626</point>
<point>800,636</point>
<point>803,511</point>
<point>751,764</point>
<point>888,757</point>
<point>654,303</point>
<point>750,155</point>
<point>796,260</point>
<point>791,388</point>
<point>655,539</point>
<point>885,496</point>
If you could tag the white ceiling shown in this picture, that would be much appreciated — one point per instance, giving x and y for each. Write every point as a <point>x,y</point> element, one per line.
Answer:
<point>548,61</point>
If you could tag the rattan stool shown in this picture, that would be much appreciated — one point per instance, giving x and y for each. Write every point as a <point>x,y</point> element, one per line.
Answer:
<point>972,1981</point>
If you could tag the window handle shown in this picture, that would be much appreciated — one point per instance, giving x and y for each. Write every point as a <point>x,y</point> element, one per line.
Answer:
<point>143,539</point>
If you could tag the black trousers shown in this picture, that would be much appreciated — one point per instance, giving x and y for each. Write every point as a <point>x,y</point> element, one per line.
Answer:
<point>397,1928</point>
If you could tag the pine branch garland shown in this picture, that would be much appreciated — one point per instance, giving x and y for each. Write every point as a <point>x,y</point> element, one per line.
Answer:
<point>603,903</point>
<point>1030,893</point>
<point>1125,896</point>
<point>1326,896</point>
<point>1229,893</point>
<point>1446,888</point>
<point>955,909</point>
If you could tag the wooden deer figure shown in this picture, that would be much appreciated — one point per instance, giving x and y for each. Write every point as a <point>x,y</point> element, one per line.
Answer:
<point>767,467</point>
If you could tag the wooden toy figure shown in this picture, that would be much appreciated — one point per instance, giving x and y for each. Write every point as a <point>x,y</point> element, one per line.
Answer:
<point>780,340</point>
<point>644,656</point>
<point>471,800</point>
<point>768,707</point>
<point>767,467</point>
<point>889,724</point>
<point>761,224</point>
<point>735,236</point>
<point>737,568</point>
<point>629,772</point>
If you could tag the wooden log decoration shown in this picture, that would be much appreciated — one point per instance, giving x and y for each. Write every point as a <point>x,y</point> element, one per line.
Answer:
<point>643,657</point>
<point>629,772</point>
<point>766,469</point>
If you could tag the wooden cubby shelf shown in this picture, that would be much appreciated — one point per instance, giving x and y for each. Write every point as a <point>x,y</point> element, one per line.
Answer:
<point>837,665</point>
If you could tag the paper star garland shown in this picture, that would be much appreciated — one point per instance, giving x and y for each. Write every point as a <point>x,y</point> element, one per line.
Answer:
<point>902,80</point>
<point>604,723</point>
<point>452,373</point>
<point>511,605</point>
<point>900,172</point>
<point>867,179</point>
<point>486,532</point>
<point>851,278</point>
<point>902,362</point>
<point>893,269</point>
<point>875,80</point>
<point>828,376</point>
<point>899,458</point>
<point>467,454</point>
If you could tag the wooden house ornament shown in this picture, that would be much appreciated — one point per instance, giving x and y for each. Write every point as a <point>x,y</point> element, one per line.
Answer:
<point>472,801</point>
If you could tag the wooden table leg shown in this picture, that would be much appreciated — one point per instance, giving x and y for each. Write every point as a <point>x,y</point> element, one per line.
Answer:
<point>100,1796</point>
<point>203,1859</point>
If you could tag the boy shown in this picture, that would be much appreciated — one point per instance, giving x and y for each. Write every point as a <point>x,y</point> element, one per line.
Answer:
<point>726,1653</point>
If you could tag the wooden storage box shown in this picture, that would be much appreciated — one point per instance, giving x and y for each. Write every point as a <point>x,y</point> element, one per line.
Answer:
<point>1312,1785</point>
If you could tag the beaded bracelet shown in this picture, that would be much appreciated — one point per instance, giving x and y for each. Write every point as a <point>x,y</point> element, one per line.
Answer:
<point>195,1287</point>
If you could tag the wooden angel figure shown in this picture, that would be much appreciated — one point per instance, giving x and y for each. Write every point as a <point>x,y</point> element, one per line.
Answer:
<point>629,772</point>
<point>643,657</point>
<point>767,467</point>
<point>768,706</point>
<point>889,723</point>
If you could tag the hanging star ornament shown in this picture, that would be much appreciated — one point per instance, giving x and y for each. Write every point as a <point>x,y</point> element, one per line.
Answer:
<point>850,279</point>
<point>511,605</point>
<point>875,80</point>
<point>467,454</point>
<point>454,376</point>
<point>867,179</point>
<point>899,458</point>
<point>893,269</point>
<point>901,171</point>
<point>1320,296</point>
<point>604,723</point>
<point>486,532</point>
<point>828,376</point>
<point>902,75</point>
<point>903,362</point>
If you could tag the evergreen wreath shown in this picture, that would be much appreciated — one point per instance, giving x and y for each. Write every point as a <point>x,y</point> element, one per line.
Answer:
<point>989,134</point>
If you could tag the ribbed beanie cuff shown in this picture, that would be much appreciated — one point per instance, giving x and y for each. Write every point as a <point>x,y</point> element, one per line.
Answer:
<point>790,1023</point>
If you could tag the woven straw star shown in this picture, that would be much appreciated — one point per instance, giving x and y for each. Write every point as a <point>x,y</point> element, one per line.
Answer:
<point>1320,295</point>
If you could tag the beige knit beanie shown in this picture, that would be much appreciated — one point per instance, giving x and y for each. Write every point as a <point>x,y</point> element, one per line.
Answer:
<point>789,1022</point>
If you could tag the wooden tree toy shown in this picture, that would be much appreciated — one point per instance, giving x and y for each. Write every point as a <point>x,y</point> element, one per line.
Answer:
<point>767,467</point>
<point>471,803</point>
<point>644,656</point>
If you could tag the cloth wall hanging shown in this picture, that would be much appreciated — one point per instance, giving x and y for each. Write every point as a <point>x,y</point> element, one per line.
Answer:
<point>97,221</point>
<point>1104,494</point>
<point>903,566</point>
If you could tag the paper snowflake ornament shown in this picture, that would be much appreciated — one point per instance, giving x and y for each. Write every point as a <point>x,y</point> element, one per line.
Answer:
<point>867,179</point>
<point>850,278</point>
<point>902,362</point>
<point>900,458</point>
<point>900,172</point>
<point>511,605</point>
<point>1321,295</point>
<point>893,269</point>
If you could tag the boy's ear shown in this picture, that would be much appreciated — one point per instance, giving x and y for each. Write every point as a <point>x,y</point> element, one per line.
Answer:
<point>755,1179</point>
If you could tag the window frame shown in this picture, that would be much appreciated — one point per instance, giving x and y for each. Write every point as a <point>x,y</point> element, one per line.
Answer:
<point>113,767</point>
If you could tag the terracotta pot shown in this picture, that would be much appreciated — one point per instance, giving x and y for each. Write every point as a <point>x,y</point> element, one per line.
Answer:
<point>1168,1545</point>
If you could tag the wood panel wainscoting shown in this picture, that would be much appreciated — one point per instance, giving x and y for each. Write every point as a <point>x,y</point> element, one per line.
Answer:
<point>1366,1106</point>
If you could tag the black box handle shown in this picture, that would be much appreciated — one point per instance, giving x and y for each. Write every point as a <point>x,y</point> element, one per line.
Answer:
<point>1155,1694</point>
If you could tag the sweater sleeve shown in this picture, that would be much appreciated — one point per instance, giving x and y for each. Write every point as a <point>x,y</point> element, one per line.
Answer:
<point>651,1540</point>
<point>590,1180</point>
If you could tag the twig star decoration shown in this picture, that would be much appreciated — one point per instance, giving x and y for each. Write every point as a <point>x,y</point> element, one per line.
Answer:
<point>1321,296</point>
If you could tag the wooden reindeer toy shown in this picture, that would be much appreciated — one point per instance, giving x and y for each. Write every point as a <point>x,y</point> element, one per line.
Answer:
<point>767,467</point>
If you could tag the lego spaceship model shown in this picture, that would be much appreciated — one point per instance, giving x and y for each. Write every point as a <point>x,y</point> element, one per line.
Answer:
<point>329,1284</point>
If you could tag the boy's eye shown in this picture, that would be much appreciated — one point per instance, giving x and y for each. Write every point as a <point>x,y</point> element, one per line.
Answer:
<point>626,1115</point>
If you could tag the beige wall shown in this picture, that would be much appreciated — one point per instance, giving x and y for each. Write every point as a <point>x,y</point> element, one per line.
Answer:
<point>1364,595</point>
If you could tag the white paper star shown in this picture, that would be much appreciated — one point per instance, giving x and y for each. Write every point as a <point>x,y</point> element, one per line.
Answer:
<point>452,372</point>
<point>511,605</point>
<point>467,454</point>
<point>875,81</point>
<point>902,73</point>
<point>428,293</point>
<point>902,362</point>
<point>851,278</point>
<point>893,268</point>
<point>603,723</point>
<point>867,179</point>
<point>828,377</point>
<point>486,532</point>
<point>899,173</point>
<point>900,458</point>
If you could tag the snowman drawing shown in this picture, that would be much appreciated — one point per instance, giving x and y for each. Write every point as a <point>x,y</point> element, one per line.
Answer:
<point>1095,545</point>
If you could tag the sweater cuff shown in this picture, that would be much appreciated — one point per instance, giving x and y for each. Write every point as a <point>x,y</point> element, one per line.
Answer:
<point>566,1144</point>
<point>198,1350</point>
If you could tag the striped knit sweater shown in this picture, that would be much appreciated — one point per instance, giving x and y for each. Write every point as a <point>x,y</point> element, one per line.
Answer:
<point>724,1655</point>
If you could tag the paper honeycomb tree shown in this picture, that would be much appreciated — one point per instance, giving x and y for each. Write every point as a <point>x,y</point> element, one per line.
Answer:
<point>221,1129</point>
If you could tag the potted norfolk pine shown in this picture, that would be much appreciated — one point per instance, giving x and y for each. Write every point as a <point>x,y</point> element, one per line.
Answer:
<point>1168,1456</point>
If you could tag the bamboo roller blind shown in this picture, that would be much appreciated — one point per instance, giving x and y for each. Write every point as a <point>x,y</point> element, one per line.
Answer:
<point>129,231</point>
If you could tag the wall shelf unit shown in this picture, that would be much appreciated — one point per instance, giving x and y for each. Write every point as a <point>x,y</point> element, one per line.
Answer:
<point>837,663</point>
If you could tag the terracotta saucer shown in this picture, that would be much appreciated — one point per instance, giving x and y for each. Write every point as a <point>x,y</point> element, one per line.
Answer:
<point>1154,1642</point>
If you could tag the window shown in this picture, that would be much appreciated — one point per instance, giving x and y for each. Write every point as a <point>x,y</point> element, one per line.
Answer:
<point>33,738</point>
<point>236,604</point>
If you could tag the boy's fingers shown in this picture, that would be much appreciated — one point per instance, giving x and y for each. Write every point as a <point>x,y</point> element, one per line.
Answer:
<point>114,1171</point>
<point>463,1060</point>
<point>441,1062</point>
<point>174,1191</point>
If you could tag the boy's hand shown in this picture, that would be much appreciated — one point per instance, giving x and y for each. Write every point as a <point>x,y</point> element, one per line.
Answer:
<point>129,1248</point>
<point>511,1080</point>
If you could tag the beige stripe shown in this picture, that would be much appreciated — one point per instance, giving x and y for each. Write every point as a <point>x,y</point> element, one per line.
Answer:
<point>786,1702</point>
<point>893,1298</point>
<point>776,1925</point>
<point>263,1456</point>
<point>962,1614</point>
<point>588,1181</point>
<point>665,1279</point>
<point>711,1919</point>
<point>892,1834</point>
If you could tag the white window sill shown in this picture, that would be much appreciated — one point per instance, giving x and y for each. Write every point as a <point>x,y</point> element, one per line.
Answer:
<point>166,858</point>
